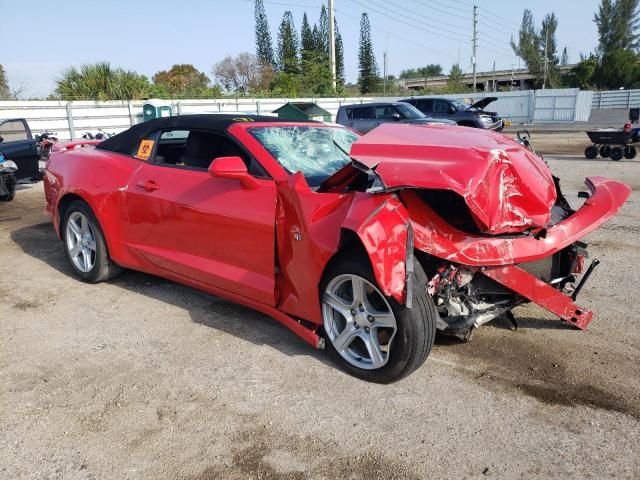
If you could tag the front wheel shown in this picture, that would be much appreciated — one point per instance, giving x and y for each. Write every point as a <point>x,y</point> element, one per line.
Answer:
<point>85,244</point>
<point>370,335</point>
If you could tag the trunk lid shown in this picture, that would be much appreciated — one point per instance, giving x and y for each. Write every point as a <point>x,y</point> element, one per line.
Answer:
<point>507,188</point>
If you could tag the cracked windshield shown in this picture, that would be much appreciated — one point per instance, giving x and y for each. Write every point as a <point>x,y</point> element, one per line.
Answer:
<point>317,152</point>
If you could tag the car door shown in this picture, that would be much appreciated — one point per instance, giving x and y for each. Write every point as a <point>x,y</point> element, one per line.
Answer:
<point>440,108</point>
<point>425,106</point>
<point>362,119</point>
<point>18,145</point>
<point>212,230</point>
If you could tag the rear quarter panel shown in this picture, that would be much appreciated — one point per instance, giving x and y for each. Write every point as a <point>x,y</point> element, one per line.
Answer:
<point>100,178</point>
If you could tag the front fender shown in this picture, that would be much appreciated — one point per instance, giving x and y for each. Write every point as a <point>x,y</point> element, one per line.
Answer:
<point>381,222</point>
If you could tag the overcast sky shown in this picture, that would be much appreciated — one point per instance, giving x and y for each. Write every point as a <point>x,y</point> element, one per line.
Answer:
<point>39,39</point>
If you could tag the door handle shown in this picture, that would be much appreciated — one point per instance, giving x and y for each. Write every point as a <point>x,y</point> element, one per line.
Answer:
<point>149,185</point>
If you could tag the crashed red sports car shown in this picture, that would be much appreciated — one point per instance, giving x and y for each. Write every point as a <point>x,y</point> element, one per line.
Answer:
<point>365,245</point>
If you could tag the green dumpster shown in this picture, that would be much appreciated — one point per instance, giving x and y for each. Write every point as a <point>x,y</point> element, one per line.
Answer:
<point>156,108</point>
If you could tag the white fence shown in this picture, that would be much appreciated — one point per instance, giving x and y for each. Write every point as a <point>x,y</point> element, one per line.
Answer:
<point>616,99</point>
<point>72,119</point>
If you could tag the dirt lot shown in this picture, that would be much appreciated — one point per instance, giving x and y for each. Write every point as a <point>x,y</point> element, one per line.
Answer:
<point>143,378</point>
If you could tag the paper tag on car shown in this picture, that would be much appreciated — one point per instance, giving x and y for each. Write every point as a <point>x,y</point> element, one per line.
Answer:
<point>145,149</point>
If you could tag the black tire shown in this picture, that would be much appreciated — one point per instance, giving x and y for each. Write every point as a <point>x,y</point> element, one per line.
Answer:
<point>605,151</point>
<point>104,268</point>
<point>630,152</point>
<point>616,153</point>
<point>591,152</point>
<point>416,326</point>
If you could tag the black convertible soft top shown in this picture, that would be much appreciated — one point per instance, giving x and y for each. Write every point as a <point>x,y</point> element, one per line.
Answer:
<point>127,142</point>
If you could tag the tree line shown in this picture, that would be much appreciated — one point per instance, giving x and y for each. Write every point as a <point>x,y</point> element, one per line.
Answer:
<point>614,64</point>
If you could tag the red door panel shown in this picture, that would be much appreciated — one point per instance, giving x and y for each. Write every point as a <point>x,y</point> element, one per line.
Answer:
<point>206,228</point>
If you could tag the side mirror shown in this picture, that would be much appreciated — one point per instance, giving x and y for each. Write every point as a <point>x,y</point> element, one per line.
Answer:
<point>452,109</point>
<point>396,117</point>
<point>232,167</point>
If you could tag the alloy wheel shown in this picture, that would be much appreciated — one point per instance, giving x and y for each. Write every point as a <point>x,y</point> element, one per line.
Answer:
<point>358,321</point>
<point>81,242</point>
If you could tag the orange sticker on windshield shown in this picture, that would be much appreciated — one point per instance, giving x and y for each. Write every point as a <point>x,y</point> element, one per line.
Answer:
<point>145,149</point>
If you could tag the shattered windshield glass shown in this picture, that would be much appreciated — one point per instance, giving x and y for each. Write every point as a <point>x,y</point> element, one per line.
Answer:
<point>317,152</point>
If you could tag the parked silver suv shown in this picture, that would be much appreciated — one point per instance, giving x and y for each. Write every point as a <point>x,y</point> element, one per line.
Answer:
<point>363,117</point>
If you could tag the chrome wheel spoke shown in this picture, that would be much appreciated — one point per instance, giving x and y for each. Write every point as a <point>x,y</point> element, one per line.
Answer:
<point>345,338</point>
<point>84,225</point>
<point>359,289</point>
<point>75,228</point>
<point>384,320</point>
<point>91,245</point>
<point>338,304</point>
<point>86,258</point>
<point>75,251</point>
<point>378,358</point>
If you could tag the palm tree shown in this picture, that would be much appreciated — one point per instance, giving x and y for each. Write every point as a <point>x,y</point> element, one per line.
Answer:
<point>102,82</point>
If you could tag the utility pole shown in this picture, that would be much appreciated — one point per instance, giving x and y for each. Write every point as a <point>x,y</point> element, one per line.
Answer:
<point>494,75</point>
<point>332,45</point>
<point>512,78</point>
<point>385,73</point>
<point>546,59</point>
<point>475,43</point>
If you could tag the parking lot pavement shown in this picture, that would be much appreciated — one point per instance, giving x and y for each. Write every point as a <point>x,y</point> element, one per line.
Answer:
<point>143,378</point>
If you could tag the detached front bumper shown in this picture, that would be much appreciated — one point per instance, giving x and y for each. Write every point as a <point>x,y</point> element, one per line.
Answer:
<point>498,257</point>
<point>436,237</point>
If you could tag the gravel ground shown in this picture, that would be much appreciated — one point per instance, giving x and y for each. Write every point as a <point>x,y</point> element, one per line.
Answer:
<point>144,378</point>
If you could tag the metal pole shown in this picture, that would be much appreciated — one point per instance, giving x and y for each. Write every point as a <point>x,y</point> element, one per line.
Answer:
<point>385,74</point>
<point>494,75</point>
<point>332,45</point>
<point>475,43</point>
<point>512,80</point>
<point>72,130</point>
<point>546,59</point>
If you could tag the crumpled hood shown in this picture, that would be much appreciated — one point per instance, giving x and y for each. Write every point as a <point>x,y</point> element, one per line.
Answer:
<point>507,188</point>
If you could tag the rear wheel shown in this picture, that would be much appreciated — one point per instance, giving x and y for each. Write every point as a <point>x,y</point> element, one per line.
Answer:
<point>605,150</point>
<point>591,152</point>
<point>85,244</point>
<point>370,335</point>
<point>630,152</point>
<point>616,153</point>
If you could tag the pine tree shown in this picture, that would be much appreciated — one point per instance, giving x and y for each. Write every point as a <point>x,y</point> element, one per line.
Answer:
<point>264,45</point>
<point>368,68</point>
<point>288,45</point>
<point>618,23</point>
<point>323,32</point>
<point>307,42</point>
<point>5,92</point>
<point>340,80</point>
<point>564,60</point>
<point>548,31</point>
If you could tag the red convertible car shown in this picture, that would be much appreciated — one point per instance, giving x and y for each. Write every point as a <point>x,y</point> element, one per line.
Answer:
<point>363,245</point>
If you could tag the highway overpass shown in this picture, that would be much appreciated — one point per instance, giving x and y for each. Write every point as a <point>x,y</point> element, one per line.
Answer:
<point>520,77</point>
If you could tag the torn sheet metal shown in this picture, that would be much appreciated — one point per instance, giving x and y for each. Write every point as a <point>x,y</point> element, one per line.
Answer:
<point>541,293</point>
<point>506,187</point>
<point>435,236</point>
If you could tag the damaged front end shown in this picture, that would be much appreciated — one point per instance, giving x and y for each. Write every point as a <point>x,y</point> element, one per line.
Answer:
<point>489,224</point>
